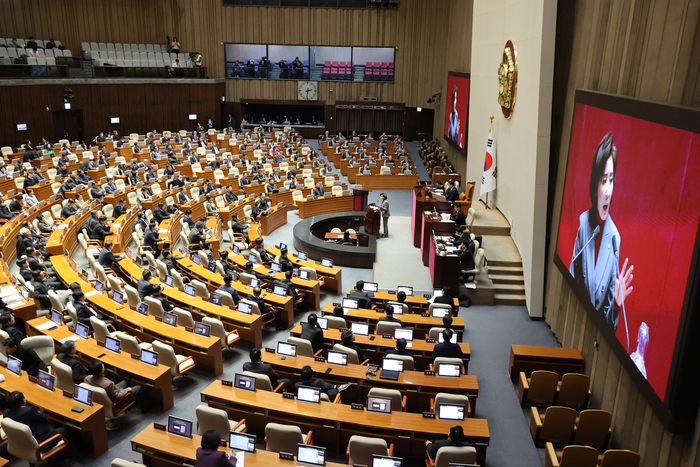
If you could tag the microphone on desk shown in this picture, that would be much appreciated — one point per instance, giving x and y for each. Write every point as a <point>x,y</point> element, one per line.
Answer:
<point>624,312</point>
<point>435,209</point>
<point>595,234</point>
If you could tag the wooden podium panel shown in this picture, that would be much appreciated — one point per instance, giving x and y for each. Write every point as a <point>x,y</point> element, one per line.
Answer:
<point>373,220</point>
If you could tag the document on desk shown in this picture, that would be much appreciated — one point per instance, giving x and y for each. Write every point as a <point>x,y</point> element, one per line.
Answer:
<point>12,298</point>
<point>14,305</point>
<point>72,337</point>
<point>46,325</point>
<point>61,227</point>
<point>91,293</point>
<point>445,217</point>
<point>7,290</point>
<point>240,459</point>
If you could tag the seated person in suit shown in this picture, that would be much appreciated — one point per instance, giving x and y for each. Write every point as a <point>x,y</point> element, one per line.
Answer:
<point>107,258</point>
<point>182,196</point>
<point>230,196</point>
<point>197,235</point>
<point>31,363</point>
<point>455,438</point>
<point>458,216</point>
<point>389,310</point>
<point>312,332</point>
<point>318,191</point>
<point>447,299</point>
<point>307,379</point>
<point>69,209</point>
<point>68,356</point>
<point>150,239</point>
<point>260,249</point>
<point>264,309</point>
<point>7,320</point>
<point>16,204</point>
<point>348,340</point>
<point>101,230</point>
<point>144,285</point>
<point>85,312</point>
<point>157,294</point>
<point>226,287</point>
<point>39,424</point>
<point>115,391</point>
<point>361,296</point>
<point>160,213</point>
<point>447,348</point>
<point>400,348</point>
<point>187,217</point>
<point>257,366</point>
<point>209,454</point>
<point>120,209</point>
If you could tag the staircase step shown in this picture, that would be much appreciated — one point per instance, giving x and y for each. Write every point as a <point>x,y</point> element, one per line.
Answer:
<point>514,264</point>
<point>508,270</point>
<point>509,289</point>
<point>508,299</point>
<point>506,279</point>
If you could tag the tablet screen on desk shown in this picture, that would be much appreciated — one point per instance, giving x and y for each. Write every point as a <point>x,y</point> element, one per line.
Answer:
<point>235,249</point>
<point>117,297</point>
<point>112,344</point>
<point>98,286</point>
<point>202,329</point>
<point>211,266</point>
<point>14,365</point>
<point>361,329</point>
<point>82,395</point>
<point>189,290</point>
<point>180,426</point>
<point>437,293</point>
<point>244,382</point>
<point>216,299</point>
<point>276,267</point>
<point>138,261</point>
<point>154,271</point>
<point>309,394</point>
<point>378,404</point>
<point>279,290</point>
<point>337,358</point>
<point>392,364</point>
<point>81,330</point>
<point>283,246</point>
<point>45,380</point>
<point>370,287</point>
<point>254,282</point>
<point>407,290</point>
<point>304,275</point>
<point>170,319</point>
<point>398,309</point>
<point>453,339</point>
<point>312,455</point>
<point>302,255</point>
<point>245,308</point>
<point>148,356</point>
<point>349,304</point>
<point>142,308</point>
<point>403,333</point>
<point>441,312</point>
<point>169,281</point>
<point>449,369</point>
<point>322,323</point>
<point>252,258</point>
<point>451,412</point>
<point>56,317</point>
<point>196,259</point>
<point>241,441</point>
<point>285,348</point>
<point>327,263</point>
<point>386,461</point>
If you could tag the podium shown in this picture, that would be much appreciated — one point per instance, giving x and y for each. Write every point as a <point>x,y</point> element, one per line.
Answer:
<point>360,201</point>
<point>373,219</point>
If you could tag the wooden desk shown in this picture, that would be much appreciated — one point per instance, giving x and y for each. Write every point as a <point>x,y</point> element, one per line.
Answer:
<point>90,422</point>
<point>417,303</point>
<point>386,182</point>
<point>444,269</point>
<point>418,387</point>
<point>421,350</point>
<point>444,178</point>
<point>160,448</point>
<point>420,324</point>
<point>333,276</point>
<point>309,208</point>
<point>156,380</point>
<point>421,204</point>
<point>333,424</point>
<point>529,358</point>
<point>206,351</point>
<point>276,219</point>
<point>433,224</point>
<point>339,236</point>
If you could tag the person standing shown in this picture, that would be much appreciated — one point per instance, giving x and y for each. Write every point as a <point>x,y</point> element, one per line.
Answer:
<point>384,205</point>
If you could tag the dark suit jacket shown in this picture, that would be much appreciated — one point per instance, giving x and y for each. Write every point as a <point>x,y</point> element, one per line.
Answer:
<point>261,303</point>
<point>441,443</point>
<point>458,217</point>
<point>14,332</point>
<point>360,356</point>
<point>84,313</point>
<point>79,370</point>
<point>447,349</point>
<point>41,293</point>
<point>196,238</point>
<point>397,352</point>
<point>107,258</point>
<point>150,239</point>
<point>211,458</point>
<point>313,334</point>
<point>100,232</point>
<point>363,299</point>
<point>31,362</point>
<point>447,301</point>
<point>160,214</point>
<point>37,422</point>
<point>390,319</point>
<point>324,386</point>
<point>145,288</point>
<point>119,210</point>
<point>263,369</point>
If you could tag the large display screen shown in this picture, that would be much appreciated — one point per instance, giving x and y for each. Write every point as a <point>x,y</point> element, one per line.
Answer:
<point>629,226</point>
<point>457,108</point>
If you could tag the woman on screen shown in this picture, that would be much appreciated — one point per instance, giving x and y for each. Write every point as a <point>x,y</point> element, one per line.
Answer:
<point>595,261</point>
<point>453,131</point>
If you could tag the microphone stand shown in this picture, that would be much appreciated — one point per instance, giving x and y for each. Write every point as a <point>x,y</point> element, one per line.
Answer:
<point>624,312</point>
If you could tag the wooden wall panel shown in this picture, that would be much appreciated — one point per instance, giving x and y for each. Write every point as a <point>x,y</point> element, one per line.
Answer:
<point>649,49</point>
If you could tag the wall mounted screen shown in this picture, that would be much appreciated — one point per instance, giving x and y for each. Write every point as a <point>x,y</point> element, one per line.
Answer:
<point>628,231</point>
<point>457,108</point>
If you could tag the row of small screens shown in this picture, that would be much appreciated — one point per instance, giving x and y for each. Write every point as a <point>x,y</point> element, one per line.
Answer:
<point>349,304</point>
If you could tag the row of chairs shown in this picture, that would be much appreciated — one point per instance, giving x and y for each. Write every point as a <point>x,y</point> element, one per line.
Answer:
<point>14,53</point>
<point>151,58</point>
<point>544,388</point>
<point>379,74</point>
<point>118,47</point>
<point>586,456</point>
<point>22,42</point>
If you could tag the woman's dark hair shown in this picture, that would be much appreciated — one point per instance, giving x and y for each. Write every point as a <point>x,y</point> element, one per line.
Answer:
<point>454,94</point>
<point>338,311</point>
<point>211,440</point>
<point>606,149</point>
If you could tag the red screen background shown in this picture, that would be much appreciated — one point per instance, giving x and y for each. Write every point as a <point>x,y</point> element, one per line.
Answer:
<point>656,208</point>
<point>462,106</point>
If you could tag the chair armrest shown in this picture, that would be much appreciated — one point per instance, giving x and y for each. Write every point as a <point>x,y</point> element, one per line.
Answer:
<point>347,454</point>
<point>123,403</point>
<point>430,366</point>
<point>432,404</point>
<point>111,328</point>
<point>535,423</point>
<point>550,456</point>
<point>320,351</point>
<point>58,220</point>
<point>188,358</point>
<point>146,247</point>
<point>228,335</point>
<point>403,402</point>
<point>279,386</point>
<point>429,462</point>
<point>242,423</point>
<point>391,450</point>
<point>54,450</point>
<point>523,387</point>
<point>338,398</point>
<point>365,362</point>
<point>309,438</point>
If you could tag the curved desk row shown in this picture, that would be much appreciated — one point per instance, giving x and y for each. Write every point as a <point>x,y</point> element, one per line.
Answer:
<point>333,277</point>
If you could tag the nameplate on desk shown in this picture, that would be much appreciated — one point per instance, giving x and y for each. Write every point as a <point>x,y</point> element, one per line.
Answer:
<point>159,426</point>
<point>33,379</point>
<point>159,319</point>
<point>319,359</point>
<point>269,350</point>
<point>387,336</point>
<point>392,292</point>
<point>430,341</point>
<point>100,343</point>
<point>67,394</point>
<point>425,315</point>
<point>225,382</point>
<point>428,415</point>
<point>429,372</point>
<point>189,329</point>
<point>342,330</point>
<point>288,395</point>
<point>357,407</point>
<point>286,456</point>
<point>336,304</point>
<point>135,356</point>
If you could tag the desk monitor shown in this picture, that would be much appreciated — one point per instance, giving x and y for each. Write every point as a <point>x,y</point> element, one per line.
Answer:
<point>169,281</point>
<point>370,287</point>
<point>14,364</point>
<point>118,297</point>
<point>304,275</point>
<point>196,259</point>
<point>312,455</point>
<point>302,255</point>
<point>138,261</point>
<point>216,299</point>
<point>154,271</point>
<point>275,267</point>
<point>360,329</point>
<point>202,329</point>
<point>309,394</point>
<point>441,312</point>
<point>180,426</point>
<point>327,263</point>
<point>81,330</point>
<point>405,289</point>
<point>190,290</point>
<point>378,404</point>
<point>451,412</point>
<point>244,382</point>
<point>279,290</point>
<point>449,369</point>
<point>322,323</point>
<point>337,358</point>
<point>150,357</point>
<point>112,344</point>
<point>453,339</point>
<point>236,250</point>
<point>170,319</point>
<point>183,251</point>
<point>398,309</point>
<point>245,308</point>
<point>142,308</point>
<point>99,286</point>
<point>285,348</point>
<point>45,380</point>
<point>241,441</point>
<point>405,333</point>
<point>283,246</point>
<point>56,317</point>
<point>82,395</point>
<point>386,461</point>
<point>254,282</point>
<point>252,258</point>
<point>392,364</point>
<point>211,266</point>
<point>349,304</point>
<point>129,252</point>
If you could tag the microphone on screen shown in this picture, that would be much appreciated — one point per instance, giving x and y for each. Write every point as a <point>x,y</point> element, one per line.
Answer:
<point>624,312</point>
<point>593,236</point>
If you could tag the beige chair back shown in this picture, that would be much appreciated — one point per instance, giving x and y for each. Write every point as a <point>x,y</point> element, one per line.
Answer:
<point>336,322</point>
<point>304,346</point>
<point>312,273</point>
<point>209,418</point>
<point>447,398</point>
<point>64,375</point>
<point>155,308</point>
<point>42,345</point>
<point>434,333</point>
<point>184,318</point>
<point>439,360</point>
<point>128,343</point>
<point>227,299</point>
<point>408,363</point>
<point>386,327</point>
<point>20,442</point>
<point>453,454</point>
<point>122,463</point>
<point>99,328</point>
<point>99,396</point>
<point>166,355</point>
<point>352,355</point>
<point>253,306</point>
<point>393,394</point>
<point>362,448</point>
<point>263,381</point>
<point>283,438</point>
<point>132,296</point>
<point>217,329</point>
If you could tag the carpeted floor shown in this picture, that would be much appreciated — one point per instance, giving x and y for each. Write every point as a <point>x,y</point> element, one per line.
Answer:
<point>489,330</point>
